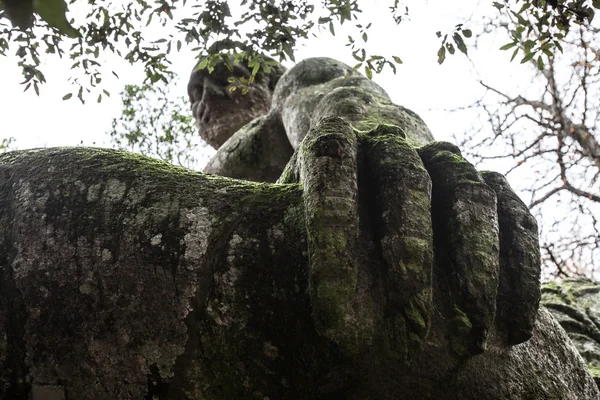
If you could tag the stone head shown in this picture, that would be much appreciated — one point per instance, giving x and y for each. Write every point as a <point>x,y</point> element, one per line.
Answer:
<point>220,112</point>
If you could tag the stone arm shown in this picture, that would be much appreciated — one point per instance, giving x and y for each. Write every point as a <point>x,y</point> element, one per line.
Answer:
<point>124,277</point>
<point>259,151</point>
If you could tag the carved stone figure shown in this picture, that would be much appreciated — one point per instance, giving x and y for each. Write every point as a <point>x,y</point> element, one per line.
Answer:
<point>260,151</point>
<point>383,265</point>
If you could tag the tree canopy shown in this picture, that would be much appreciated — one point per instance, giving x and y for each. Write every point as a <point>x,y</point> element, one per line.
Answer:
<point>34,28</point>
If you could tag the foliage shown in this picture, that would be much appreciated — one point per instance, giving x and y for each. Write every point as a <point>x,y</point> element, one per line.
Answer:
<point>157,124</point>
<point>35,27</point>
<point>538,27</point>
<point>549,135</point>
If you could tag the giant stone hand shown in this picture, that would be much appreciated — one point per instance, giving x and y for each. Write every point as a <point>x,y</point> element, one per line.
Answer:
<point>454,248</point>
<point>440,253</point>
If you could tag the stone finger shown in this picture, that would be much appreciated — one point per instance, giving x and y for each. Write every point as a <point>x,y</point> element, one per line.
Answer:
<point>401,191</point>
<point>520,265</point>
<point>328,173</point>
<point>465,226</point>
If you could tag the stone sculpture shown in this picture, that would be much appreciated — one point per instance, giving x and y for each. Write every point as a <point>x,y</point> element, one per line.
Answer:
<point>381,266</point>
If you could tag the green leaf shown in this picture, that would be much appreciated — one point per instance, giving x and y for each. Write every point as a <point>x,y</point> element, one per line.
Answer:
<point>368,72</point>
<point>524,7</point>
<point>529,44</point>
<point>53,12</point>
<point>364,37</point>
<point>460,43</point>
<point>590,14</point>
<point>508,46</point>
<point>499,6</point>
<point>67,96</point>
<point>203,63</point>
<point>540,63</point>
<point>331,28</point>
<point>289,52</point>
<point>441,55</point>
<point>558,46</point>
<point>397,59</point>
<point>527,57</point>
<point>514,54</point>
<point>361,57</point>
<point>467,33</point>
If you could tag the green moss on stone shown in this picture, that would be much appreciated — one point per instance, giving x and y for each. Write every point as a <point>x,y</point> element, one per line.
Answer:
<point>595,372</point>
<point>459,328</point>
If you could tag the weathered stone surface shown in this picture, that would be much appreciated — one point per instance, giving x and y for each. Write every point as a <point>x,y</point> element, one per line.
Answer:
<point>529,362</point>
<point>400,191</point>
<point>465,210</point>
<point>575,303</point>
<point>124,277</point>
<point>520,258</point>
<point>329,175</point>
<point>317,88</point>
<point>313,89</point>
<point>118,272</point>
<point>259,151</point>
<point>466,238</point>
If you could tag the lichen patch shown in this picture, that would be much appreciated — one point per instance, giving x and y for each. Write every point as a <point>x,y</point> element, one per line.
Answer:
<point>196,238</point>
<point>114,190</point>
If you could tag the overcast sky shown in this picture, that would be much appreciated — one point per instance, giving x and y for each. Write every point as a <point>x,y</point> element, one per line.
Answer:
<point>420,84</point>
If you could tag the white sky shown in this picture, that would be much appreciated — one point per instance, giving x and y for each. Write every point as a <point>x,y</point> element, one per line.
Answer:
<point>420,84</point>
